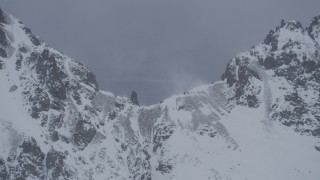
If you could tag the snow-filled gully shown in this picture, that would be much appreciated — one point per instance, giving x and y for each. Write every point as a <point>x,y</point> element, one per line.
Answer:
<point>267,95</point>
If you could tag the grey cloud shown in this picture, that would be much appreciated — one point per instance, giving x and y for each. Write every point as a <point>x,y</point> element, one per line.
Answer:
<point>156,48</point>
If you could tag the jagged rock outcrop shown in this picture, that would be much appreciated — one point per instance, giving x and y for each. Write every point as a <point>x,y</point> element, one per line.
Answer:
<point>134,98</point>
<point>27,161</point>
<point>288,60</point>
<point>3,170</point>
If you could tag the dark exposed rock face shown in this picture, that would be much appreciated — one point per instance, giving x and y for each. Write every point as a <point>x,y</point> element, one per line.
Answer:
<point>1,65</point>
<point>54,136</point>
<point>238,75</point>
<point>4,42</point>
<point>85,76</point>
<point>50,75</point>
<point>271,40</point>
<point>229,75</point>
<point>164,167</point>
<point>34,39</point>
<point>3,38</point>
<point>56,168</point>
<point>84,133</point>
<point>134,98</point>
<point>313,29</point>
<point>18,62</point>
<point>28,162</point>
<point>295,117</point>
<point>3,170</point>
<point>253,101</point>
<point>3,53</point>
<point>316,132</point>
<point>139,165</point>
<point>2,17</point>
<point>162,132</point>
<point>40,102</point>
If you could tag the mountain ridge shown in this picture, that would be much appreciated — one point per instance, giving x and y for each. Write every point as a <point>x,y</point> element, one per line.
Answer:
<point>57,124</point>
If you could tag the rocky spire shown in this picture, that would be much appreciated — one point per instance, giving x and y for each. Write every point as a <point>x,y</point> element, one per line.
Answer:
<point>2,17</point>
<point>134,98</point>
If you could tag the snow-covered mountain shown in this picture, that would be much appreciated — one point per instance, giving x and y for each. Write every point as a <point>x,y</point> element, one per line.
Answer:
<point>261,121</point>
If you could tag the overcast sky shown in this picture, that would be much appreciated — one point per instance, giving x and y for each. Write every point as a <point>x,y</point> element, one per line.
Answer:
<point>156,47</point>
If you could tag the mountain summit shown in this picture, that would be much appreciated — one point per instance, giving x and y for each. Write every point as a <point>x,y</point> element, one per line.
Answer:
<point>261,121</point>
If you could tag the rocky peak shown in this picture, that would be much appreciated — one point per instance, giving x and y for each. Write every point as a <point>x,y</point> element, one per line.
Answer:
<point>286,34</point>
<point>292,25</point>
<point>314,29</point>
<point>288,54</point>
<point>2,16</point>
<point>134,98</point>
